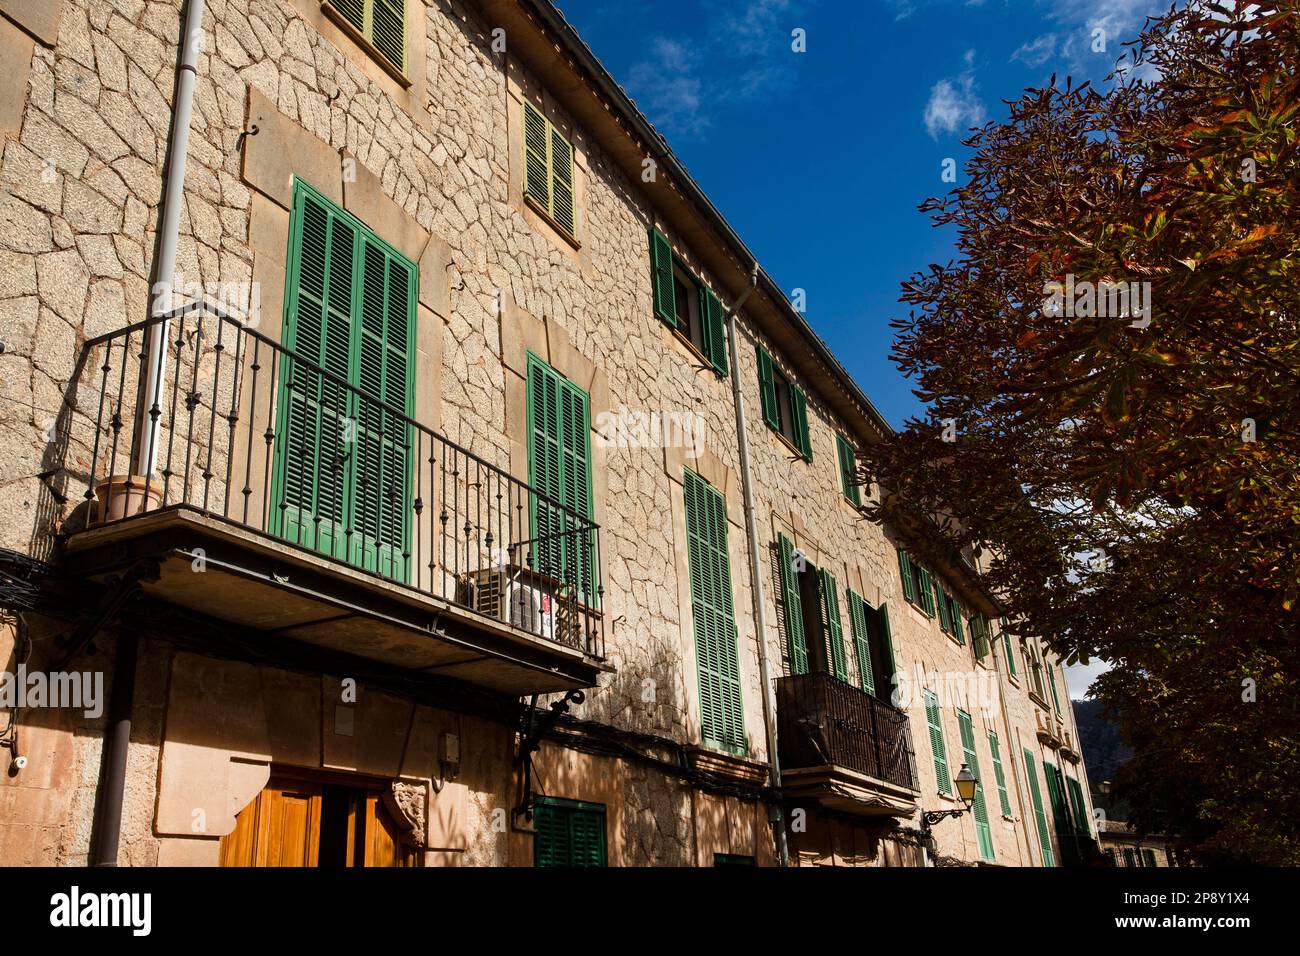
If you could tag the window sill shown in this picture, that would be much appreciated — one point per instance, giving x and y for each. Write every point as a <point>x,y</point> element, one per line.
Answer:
<point>563,233</point>
<point>384,63</point>
<point>788,444</point>
<point>705,363</point>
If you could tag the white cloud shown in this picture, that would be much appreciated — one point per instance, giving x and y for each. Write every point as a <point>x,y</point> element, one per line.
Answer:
<point>954,104</point>
<point>1037,51</point>
<point>1079,677</point>
<point>674,87</point>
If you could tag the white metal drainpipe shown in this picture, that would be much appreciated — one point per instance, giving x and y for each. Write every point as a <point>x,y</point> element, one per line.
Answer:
<point>755,567</point>
<point>164,269</point>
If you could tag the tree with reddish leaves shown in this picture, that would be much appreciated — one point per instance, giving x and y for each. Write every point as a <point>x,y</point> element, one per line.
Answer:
<point>1111,366</point>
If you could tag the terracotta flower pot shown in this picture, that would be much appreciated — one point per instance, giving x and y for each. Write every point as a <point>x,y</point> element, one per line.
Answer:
<point>122,496</point>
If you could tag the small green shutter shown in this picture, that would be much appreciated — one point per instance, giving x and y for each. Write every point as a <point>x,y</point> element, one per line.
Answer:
<point>886,635</point>
<point>1129,859</point>
<point>767,388</point>
<point>1056,795</point>
<point>559,466</point>
<point>537,164</point>
<point>381,22</point>
<point>979,626</point>
<point>983,832</point>
<point>1044,835</point>
<point>568,833</point>
<point>937,747</point>
<point>861,642</point>
<point>945,613</point>
<point>1006,646</point>
<point>661,278</point>
<point>905,569</point>
<point>1004,801</point>
<point>1148,857</point>
<point>955,610</point>
<point>722,714</point>
<point>715,331</point>
<point>793,607</point>
<point>562,182</point>
<point>832,629</point>
<point>1051,680</point>
<point>1079,806</point>
<point>848,469</point>
<point>799,413</point>
<point>927,593</point>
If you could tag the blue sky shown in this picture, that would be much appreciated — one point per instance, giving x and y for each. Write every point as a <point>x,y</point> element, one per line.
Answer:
<point>819,159</point>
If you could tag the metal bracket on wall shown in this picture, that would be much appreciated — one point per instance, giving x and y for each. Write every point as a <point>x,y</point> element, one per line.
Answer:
<point>532,730</point>
<point>111,601</point>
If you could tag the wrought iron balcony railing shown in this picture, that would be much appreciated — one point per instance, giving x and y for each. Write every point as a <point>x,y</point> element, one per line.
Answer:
<point>248,431</point>
<point>822,721</point>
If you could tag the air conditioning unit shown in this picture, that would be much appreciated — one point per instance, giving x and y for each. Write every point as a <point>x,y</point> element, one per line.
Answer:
<point>521,598</point>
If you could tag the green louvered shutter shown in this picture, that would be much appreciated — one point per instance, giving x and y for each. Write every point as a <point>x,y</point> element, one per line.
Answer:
<point>941,599</point>
<point>905,569</point>
<point>983,832</point>
<point>721,711</point>
<point>388,31</point>
<point>342,465</point>
<point>559,467</point>
<point>794,634</point>
<point>861,643</point>
<point>562,183</point>
<point>937,746</point>
<point>927,593</point>
<point>537,156</point>
<point>799,412</point>
<point>381,520</point>
<point>1051,680</point>
<point>661,278</point>
<point>848,469</point>
<point>957,631</point>
<point>1149,857</point>
<point>715,331</point>
<point>1060,815</point>
<point>1079,806</point>
<point>1040,817</point>
<point>832,629</point>
<point>1006,646</point>
<point>979,626</point>
<point>887,636</point>
<point>1004,801</point>
<point>767,388</point>
<point>568,833</point>
<point>1129,859</point>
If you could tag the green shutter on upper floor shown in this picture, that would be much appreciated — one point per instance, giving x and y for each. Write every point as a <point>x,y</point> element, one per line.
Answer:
<point>1006,646</point>
<point>938,749</point>
<point>1149,857</point>
<point>1004,801</point>
<point>983,832</point>
<point>979,626</point>
<point>927,593</point>
<point>799,413</point>
<point>956,611</point>
<point>548,169</point>
<point>905,570</point>
<point>1051,680</point>
<point>559,467</point>
<point>382,23</point>
<point>790,600</point>
<point>941,600</point>
<point>848,459</point>
<point>767,388</point>
<point>1040,816</point>
<point>1079,806</point>
<point>715,331</point>
<point>861,642</point>
<point>832,629</point>
<point>661,278</point>
<point>722,714</point>
<point>887,636</point>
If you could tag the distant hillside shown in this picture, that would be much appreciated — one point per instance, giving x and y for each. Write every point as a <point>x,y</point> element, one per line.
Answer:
<point>1104,750</point>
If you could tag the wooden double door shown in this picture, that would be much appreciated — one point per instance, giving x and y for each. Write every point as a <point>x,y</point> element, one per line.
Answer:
<point>300,820</point>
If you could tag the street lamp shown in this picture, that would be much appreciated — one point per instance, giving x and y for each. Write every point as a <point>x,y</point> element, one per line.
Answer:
<point>967,784</point>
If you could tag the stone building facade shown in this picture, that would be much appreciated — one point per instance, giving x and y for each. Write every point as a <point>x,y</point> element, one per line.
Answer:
<point>529,247</point>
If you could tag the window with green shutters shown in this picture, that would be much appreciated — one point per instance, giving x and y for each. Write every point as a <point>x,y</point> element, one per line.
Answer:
<point>1006,647</point>
<point>1129,859</point>
<point>684,303</point>
<point>1148,857</point>
<point>559,467</point>
<point>792,604</point>
<point>925,590</point>
<point>862,642</point>
<point>341,482</point>
<point>380,23</point>
<point>1040,816</point>
<point>905,573</point>
<point>848,470</point>
<point>1060,813</point>
<point>722,716</point>
<point>785,407</point>
<point>945,608</point>
<point>983,832</point>
<point>1079,807</point>
<point>937,746</point>
<point>1004,800</point>
<point>979,629</point>
<point>548,169</point>
<point>1051,681</point>
<point>832,629</point>
<point>568,833</point>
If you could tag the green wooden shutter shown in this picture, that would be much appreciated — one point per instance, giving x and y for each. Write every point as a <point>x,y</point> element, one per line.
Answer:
<point>861,642</point>
<point>767,388</point>
<point>1051,680</point>
<point>983,832</point>
<point>1040,817</point>
<point>1149,857</point>
<point>559,467</point>
<point>661,278</point>
<point>1129,859</point>
<point>1079,806</point>
<point>848,469</point>
<point>832,629</point>
<point>537,156</point>
<point>562,183</point>
<point>799,414</point>
<point>381,22</point>
<point>1004,801</point>
<point>979,626</point>
<point>941,599</point>
<point>568,833</point>
<point>927,593</point>
<point>937,747</point>
<point>715,331</point>
<point>790,599</point>
<point>722,715</point>
<point>1006,646</point>
<point>887,637</point>
<point>905,569</point>
<point>955,610</point>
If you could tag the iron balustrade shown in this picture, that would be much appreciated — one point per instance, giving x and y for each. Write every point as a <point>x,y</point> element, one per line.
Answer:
<point>823,721</point>
<point>256,434</point>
